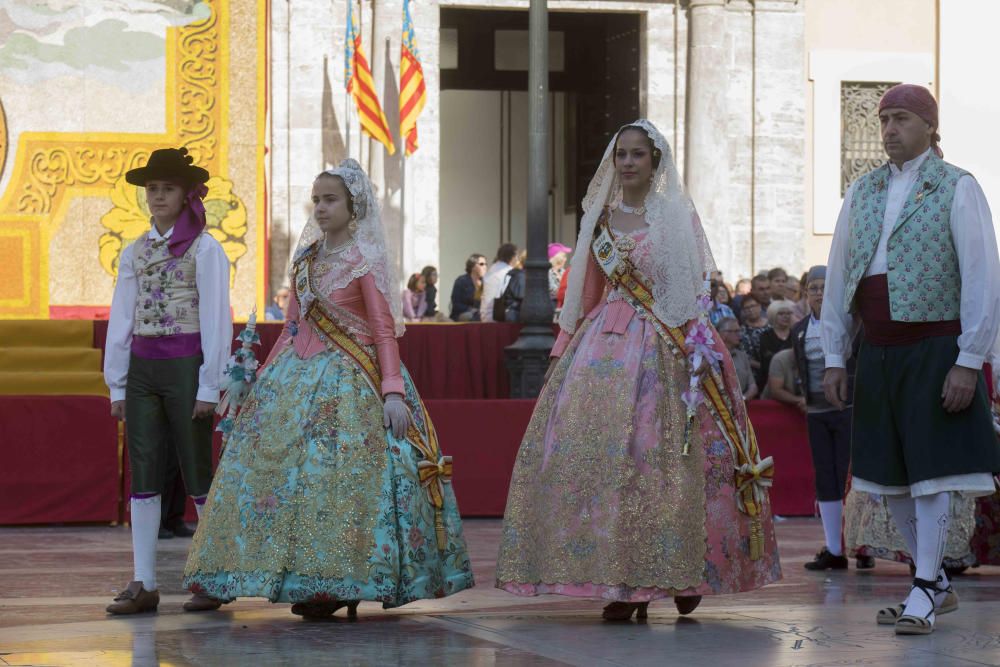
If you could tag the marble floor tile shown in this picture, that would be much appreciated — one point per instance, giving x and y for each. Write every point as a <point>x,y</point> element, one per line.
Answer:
<point>56,581</point>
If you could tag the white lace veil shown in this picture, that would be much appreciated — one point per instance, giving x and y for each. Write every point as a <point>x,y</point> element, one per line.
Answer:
<point>681,256</point>
<point>370,238</point>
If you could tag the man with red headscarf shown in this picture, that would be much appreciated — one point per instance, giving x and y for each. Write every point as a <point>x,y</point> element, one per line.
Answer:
<point>168,341</point>
<point>914,258</point>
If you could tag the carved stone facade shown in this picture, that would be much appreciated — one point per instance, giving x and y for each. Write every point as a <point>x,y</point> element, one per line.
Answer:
<point>734,115</point>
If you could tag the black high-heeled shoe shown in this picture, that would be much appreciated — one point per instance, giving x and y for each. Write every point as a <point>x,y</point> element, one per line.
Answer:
<point>622,611</point>
<point>315,608</point>
<point>686,603</point>
<point>352,608</point>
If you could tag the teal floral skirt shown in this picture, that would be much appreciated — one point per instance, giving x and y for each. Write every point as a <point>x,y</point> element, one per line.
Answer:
<point>314,500</point>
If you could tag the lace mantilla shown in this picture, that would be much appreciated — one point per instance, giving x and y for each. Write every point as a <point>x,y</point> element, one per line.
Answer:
<point>368,254</point>
<point>679,255</point>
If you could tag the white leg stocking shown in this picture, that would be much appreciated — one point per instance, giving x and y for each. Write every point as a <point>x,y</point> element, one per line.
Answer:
<point>933,513</point>
<point>199,504</point>
<point>145,528</point>
<point>904,513</point>
<point>831,511</point>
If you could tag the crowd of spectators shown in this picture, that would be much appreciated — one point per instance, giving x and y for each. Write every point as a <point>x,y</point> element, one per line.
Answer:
<point>759,319</point>
<point>756,318</point>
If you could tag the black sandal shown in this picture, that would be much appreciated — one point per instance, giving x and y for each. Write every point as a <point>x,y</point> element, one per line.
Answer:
<point>889,615</point>
<point>908,624</point>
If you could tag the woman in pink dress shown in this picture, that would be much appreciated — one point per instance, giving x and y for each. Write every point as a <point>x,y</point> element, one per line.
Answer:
<point>639,476</point>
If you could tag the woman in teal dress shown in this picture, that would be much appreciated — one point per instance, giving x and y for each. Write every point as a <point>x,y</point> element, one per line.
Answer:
<point>332,488</point>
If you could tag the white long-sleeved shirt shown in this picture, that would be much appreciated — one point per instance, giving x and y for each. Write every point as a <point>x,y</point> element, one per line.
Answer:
<point>975,244</point>
<point>493,284</point>
<point>215,322</point>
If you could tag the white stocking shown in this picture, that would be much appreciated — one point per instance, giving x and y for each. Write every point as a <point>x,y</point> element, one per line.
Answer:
<point>199,503</point>
<point>904,512</point>
<point>145,528</point>
<point>933,513</point>
<point>831,511</point>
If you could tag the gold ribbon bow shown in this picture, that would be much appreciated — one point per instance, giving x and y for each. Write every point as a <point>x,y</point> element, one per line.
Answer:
<point>433,477</point>
<point>751,480</point>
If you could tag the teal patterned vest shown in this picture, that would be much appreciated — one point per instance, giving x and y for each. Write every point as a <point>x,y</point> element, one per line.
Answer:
<point>925,283</point>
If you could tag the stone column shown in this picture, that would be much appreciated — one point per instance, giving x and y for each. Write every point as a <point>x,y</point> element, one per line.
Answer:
<point>706,152</point>
<point>738,164</point>
<point>780,127</point>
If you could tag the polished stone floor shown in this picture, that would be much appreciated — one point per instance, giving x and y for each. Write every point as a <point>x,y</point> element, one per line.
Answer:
<point>55,582</point>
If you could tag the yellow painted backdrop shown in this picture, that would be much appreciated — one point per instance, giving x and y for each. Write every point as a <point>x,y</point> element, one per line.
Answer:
<point>66,213</point>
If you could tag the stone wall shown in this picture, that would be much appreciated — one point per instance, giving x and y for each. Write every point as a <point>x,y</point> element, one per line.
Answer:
<point>734,116</point>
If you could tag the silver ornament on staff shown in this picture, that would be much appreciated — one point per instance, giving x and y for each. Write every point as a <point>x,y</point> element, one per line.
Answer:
<point>240,374</point>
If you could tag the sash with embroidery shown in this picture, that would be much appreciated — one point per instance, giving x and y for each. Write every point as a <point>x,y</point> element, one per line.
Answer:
<point>752,474</point>
<point>336,327</point>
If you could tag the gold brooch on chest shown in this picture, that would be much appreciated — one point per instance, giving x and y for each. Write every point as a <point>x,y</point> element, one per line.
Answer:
<point>880,187</point>
<point>924,189</point>
<point>625,244</point>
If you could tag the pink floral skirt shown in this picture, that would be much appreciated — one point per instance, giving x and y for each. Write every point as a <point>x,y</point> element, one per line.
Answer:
<point>603,501</point>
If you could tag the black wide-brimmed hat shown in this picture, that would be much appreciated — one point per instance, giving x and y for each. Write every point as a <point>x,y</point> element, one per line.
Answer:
<point>168,164</point>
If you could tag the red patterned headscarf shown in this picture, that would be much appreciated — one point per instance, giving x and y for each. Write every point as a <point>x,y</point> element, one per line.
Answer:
<point>917,100</point>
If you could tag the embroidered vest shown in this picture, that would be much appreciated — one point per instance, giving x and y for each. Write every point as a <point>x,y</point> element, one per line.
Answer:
<point>168,294</point>
<point>925,283</point>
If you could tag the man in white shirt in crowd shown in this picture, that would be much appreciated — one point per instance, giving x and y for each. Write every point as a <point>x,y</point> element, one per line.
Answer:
<point>914,258</point>
<point>493,282</point>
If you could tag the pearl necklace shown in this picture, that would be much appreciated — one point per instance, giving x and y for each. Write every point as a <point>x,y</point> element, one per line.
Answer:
<point>634,210</point>
<point>337,249</point>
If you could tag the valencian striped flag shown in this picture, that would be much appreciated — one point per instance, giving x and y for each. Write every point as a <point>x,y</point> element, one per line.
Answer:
<point>412,91</point>
<point>361,86</point>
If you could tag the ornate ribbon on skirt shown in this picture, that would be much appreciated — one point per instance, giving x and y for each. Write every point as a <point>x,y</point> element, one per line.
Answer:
<point>752,475</point>
<point>435,470</point>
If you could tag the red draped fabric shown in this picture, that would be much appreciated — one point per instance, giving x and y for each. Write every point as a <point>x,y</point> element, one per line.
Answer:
<point>454,361</point>
<point>782,433</point>
<point>58,460</point>
<point>59,454</point>
<point>482,437</point>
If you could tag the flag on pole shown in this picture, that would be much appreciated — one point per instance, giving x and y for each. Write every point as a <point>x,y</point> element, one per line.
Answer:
<point>412,91</point>
<point>360,84</point>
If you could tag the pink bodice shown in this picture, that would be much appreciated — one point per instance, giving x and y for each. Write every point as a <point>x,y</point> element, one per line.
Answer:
<point>597,295</point>
<point>362,299</point>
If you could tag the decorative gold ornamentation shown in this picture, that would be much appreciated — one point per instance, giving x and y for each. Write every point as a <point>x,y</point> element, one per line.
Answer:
<point>51,170</point>
<point>3,138</point>
<point>199,90</point>
<point>191,108</point>
<point>129,219</point>
<point>51,166</point>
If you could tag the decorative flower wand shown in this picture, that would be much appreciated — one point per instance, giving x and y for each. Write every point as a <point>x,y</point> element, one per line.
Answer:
<point>700,344</point>
<point>241,372</point>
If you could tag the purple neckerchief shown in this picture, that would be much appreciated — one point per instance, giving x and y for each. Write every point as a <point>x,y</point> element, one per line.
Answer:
<point>190,222</point>
<point>174,346</point>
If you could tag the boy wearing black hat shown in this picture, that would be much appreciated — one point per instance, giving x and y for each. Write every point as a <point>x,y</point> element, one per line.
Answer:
<point>168,341</point>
